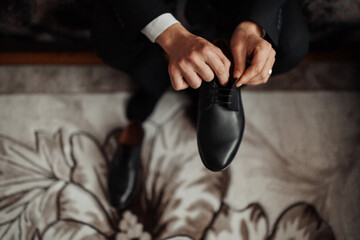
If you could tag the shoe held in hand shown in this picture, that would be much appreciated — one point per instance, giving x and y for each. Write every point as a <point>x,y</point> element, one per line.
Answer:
<point>220,124</point>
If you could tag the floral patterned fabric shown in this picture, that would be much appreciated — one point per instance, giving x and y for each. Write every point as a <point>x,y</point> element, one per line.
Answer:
<point>46,196</point>
<point>53,181</point>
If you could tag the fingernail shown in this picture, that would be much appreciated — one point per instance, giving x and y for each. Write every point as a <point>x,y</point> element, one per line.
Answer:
<point>237,74</point>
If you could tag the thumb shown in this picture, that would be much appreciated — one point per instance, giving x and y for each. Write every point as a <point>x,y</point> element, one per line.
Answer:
<point>239,55</point>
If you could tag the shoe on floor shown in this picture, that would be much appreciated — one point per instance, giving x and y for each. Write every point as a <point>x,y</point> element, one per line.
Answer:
<point>124,167</point>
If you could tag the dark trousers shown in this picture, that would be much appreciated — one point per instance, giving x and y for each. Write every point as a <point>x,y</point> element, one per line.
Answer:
<point>145,63</point>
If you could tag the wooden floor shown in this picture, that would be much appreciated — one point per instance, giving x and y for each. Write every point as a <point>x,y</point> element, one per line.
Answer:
<point>90,57</point>
<point>49,58</point>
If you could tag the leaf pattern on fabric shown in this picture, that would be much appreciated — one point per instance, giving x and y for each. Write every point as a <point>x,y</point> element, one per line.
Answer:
<point>250,223</point>
<point>301,222</point>
<point>91,168</point>
<point>29,182</point>
<point>36,188</point>
<point>71,230</point>
<point>45,195</point>
<point>179,196</point>
<point>79,205</point>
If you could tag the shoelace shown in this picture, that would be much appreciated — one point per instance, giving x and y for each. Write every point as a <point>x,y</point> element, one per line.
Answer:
<point>222,96</point>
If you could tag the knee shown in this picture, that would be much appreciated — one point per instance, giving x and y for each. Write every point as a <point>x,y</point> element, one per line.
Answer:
<point>116,52</point>
<point>294,38</point>
<point>111,42</point>
<point>291,53</point>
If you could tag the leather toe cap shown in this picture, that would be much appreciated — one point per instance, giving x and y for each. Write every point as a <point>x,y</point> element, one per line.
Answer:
<point>218,155</point>
<point>219,134</point>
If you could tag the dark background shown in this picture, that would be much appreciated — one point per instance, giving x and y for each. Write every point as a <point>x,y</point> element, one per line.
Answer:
<point>65,25</point>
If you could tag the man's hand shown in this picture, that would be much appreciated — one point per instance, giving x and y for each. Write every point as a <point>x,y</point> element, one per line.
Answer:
<point>192,58</point>
<point>246,43</point>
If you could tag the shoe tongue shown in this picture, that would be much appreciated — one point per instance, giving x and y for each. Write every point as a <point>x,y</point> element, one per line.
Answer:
<point>225,48</point>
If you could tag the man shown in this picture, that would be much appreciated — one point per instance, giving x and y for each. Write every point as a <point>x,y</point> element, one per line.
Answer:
<point>133,36</point>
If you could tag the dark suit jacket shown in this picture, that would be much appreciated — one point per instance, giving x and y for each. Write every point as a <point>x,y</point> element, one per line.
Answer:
<point>136,14</point>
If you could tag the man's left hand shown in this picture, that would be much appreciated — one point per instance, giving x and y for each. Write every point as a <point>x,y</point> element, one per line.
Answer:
<point>247,44</point>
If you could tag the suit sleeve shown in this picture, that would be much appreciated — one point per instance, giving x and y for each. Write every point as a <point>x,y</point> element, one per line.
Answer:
<point>266,13</point>
<point>134,15</point>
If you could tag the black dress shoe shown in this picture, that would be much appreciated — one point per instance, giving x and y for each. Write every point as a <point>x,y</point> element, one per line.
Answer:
<point>220,124</point>
<point>220,121</point>
<point>123,169</point>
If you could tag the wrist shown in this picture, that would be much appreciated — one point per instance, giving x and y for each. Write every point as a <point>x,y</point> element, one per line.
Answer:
<point>168,38</point>
<point>251,27</point>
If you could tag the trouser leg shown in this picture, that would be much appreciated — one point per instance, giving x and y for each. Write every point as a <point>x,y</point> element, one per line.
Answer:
<point>142,60</point>
<point>138,57</point>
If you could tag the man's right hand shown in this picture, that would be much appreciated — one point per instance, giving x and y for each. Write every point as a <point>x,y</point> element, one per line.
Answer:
<point>192,58</point>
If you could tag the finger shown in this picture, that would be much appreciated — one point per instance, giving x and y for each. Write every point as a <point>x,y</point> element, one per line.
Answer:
<point>192,78</point>
<point>177,80</point>
<point>239,55</point>
<point>261,54</point>
<point>218,68</point>
<point>204,71</point>
<point>224,59</point>
<point>179,84</point>
<point>264,76</point>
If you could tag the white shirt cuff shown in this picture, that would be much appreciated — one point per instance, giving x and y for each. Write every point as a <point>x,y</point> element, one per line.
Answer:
<point>158,25</point>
